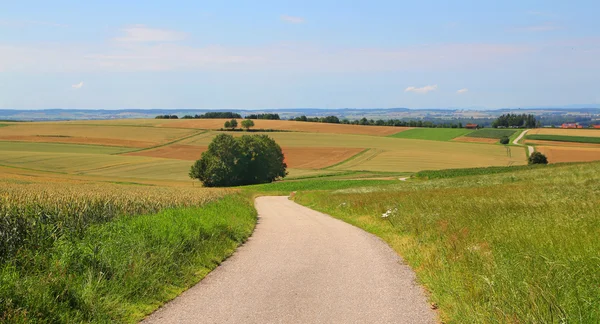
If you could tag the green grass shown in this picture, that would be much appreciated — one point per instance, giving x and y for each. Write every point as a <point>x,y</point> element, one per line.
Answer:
<point>285,187</point>
<point>434,134</point>
<point>4,125</point>
<point>453,173</point>
<point>492,133</point>
<point>122,270</point>
<point>517,247</point>
<point>562,138</point>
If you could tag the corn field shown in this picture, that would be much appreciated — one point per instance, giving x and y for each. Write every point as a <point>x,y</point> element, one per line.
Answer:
<point>33,215</point>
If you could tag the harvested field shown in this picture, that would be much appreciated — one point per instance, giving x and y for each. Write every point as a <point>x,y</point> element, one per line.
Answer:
<point>466,139</point>
<point>288,125</point>
<point>78,140</point>
<point>6,147</point>
<point>565,132</point>
<point>82,134</point>
<point>564,138</point>
<point>557,143</point>
<point>174,151</point>
<point>295,157</point>
<point>557,154</point>
<point>317,158</point>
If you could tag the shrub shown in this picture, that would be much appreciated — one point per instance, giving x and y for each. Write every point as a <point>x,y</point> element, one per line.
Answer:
<point>504,140</point>
<point>538,158</point>
<point>245,160</point>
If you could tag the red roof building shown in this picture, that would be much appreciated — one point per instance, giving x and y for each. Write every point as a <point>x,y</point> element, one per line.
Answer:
<point>571,125</point>
<point>596,126</point>
<point>472,126</point>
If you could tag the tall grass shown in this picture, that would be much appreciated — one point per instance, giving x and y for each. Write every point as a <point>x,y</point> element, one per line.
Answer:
<point>34,215</point>
<point>516,247</point>
<point>121,270</point>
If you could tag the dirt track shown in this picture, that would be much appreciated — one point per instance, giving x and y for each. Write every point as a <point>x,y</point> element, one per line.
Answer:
<point>301,266</point>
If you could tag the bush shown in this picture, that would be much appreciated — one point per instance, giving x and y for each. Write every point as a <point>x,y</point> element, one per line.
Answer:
<point>538,158</point>
<point>504,140</point>
<point>229,161</point>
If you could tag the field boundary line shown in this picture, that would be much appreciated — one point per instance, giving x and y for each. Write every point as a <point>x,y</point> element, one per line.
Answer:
<point>164,144</point>
<point>367,154</point>
<point>347,160</point>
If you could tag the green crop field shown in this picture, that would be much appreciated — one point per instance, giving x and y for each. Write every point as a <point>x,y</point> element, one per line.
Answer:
<point>435,134</point>
<point>59,148</point>
<point>563,138</point>
<point>492,133</point>
<point>519,247</point>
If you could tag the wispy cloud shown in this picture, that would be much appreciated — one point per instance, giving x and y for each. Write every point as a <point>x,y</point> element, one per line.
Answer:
<point>78,85</point>
<point>143,34</point>
<point>292,19</point>
<point>422,90</point>
<point>461,91</point>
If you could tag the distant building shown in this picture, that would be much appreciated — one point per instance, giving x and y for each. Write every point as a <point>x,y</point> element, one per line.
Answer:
<point>472,126</point>
<point>596,126</point>
<point>571,125</point>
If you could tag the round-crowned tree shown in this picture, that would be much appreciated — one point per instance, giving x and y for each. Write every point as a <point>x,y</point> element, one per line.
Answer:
<point>538,158</point>
<point>244,160</point>
<point>220,165</point>
<point>504,140</point>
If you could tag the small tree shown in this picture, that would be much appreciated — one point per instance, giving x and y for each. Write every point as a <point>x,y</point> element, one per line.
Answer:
<point>233,124</point>
<point>227,124</point>
<point>247,124</point>
<point>537,158</point>
<point>504,140</point>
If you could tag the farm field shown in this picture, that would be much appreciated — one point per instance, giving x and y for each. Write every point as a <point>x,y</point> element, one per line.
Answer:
<point>558,154</point>
<point>213,124</point>
<point>565,132</point>
<point>435,134</point>
<point>517,246</point>
<point>491,133</point>
<point>167,154</point>
<point>564,138</point>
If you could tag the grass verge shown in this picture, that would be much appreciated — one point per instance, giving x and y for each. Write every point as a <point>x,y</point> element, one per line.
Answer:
<point>453,173</point>
<point>498,248</point>
<point>124,269</point>
<point>563,138</point>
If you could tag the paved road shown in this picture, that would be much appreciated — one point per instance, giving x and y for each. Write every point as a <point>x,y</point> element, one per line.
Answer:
<point>301,266</point>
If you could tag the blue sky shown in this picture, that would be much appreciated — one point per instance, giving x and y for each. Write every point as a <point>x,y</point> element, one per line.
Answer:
<point>289,54</point>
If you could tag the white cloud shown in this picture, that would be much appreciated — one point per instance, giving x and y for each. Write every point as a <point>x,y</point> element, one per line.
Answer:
<point>78,85</point>
<point>292,19</point>
<point>461,91</point>
<point>422,90</point>
<point>142,34</point>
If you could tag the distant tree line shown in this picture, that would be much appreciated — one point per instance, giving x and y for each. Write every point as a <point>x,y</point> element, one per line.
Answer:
<point>235,161</point>
<point>514,120</point>
<point>264,116</point>
<point>381,122</point>
<point>166,117</point>
<point>214,115</point>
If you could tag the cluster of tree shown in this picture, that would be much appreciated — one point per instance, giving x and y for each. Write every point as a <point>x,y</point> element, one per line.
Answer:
<point>537,158</point>
<point>233,124</point>
<point>381,122</point>
<point>214,115</point>
<point>514,120</point>
<point>245,160</point>
<point>166,117</point>
<point>264,116</point>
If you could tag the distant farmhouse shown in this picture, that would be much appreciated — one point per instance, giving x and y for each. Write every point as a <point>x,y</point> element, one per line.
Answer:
<point>571,125</point>
<point>472,126</point>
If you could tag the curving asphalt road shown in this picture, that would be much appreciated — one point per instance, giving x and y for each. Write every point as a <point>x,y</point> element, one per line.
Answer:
<point>301,266</point>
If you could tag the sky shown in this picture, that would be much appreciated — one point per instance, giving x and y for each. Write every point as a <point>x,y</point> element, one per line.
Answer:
<point>298,54</point>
